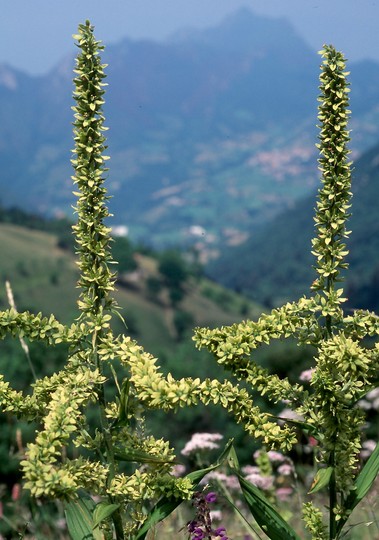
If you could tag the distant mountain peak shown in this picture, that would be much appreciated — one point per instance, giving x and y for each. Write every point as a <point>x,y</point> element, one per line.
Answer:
<point>244,30</point>
<point>8,77</point>
<point>245,16</point>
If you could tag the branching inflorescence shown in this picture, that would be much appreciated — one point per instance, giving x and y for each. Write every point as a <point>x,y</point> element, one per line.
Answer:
<point>344,369</point>
<point>59,403</point>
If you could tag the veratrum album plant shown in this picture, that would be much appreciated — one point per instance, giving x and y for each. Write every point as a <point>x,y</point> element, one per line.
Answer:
<point>122,483</point>
<point>344,370</point>
<point>108,465</point>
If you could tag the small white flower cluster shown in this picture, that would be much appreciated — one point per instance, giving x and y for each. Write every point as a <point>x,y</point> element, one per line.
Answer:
<point>200,442</point>
<point>367,448</point>
<point>371,400</point>
<point>306,376</point>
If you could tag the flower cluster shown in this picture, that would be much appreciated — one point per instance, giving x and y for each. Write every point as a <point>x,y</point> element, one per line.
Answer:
<point>273,473</point>
<point>202,442</point>
<point>63,402</point>
<point>370,401</point>
<point>200,527</point>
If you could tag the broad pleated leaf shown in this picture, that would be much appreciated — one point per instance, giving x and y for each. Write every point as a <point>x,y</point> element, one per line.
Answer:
<point>79,519</point>
<point>269,520</point>
<point>321,479</point>
<point>362,484</point>
<point>167,505</point>
<point>102,511</point>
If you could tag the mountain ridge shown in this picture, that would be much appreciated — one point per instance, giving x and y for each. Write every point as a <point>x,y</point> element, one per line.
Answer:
<point>276,264</point>
<point>200,139</point>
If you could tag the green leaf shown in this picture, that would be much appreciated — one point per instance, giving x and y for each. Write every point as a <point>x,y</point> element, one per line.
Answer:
<point>79,519</point>
<point>267,517</point>
<point>161,510</point>
<point>321,479</point>
<point>362,484</point>
<point>140,456</point>
<point>102,511</point>
<point>233,459</point>
<point>167,505</point>
<point>364,480</point>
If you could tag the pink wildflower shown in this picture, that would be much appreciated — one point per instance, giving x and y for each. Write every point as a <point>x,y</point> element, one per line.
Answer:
<point>201,442</point>
<point>216,515</point>
<point>276,457</point>
<point>367,448</point>
<point>231,481</point>
<point>285,469</point>
<point>178,470</point>
<point>373,394</point>
<point>263,482</point>
<point>250,469</point>
<point>16,492</point>
<point>214,475</point>
<point>283,493</point>
<point>306,375</point>
<point>364,404</point>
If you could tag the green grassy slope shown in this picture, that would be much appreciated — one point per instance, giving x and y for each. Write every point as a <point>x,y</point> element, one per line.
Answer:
<point>43,278</point>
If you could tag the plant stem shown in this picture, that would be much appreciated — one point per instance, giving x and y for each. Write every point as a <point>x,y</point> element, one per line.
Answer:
<point>332,501</point>
<point>105,428</point>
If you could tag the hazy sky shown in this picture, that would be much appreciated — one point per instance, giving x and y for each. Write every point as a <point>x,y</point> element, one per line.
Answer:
<point>36,34</point>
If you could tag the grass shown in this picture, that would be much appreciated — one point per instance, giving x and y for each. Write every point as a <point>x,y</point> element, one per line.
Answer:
<point>43,278</point>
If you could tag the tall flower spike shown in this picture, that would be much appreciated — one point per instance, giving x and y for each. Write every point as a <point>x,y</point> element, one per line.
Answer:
<point>92,236</point>
<point>334,196</point>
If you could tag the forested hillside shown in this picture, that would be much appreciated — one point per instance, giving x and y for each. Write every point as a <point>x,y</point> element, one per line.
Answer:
<point>276,263</point>
<point>211,133</point>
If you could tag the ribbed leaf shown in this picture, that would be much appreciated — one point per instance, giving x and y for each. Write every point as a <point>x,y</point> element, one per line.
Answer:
<point>161,510</point>
<point>167,505</point>
<point>364,480</point>
<point>102,511</point>
<point>269,520</point>
<point>79,519</point>
<point>321,479</point>
<point>362,484</point>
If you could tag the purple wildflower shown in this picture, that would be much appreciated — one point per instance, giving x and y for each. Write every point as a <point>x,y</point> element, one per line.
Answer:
<point>211,497</point>
<point>200,528</point>
<point>191,526</point>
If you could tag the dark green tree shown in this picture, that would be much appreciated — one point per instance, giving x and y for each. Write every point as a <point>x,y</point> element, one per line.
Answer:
<point>174,272</point>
